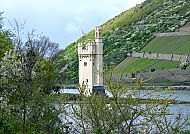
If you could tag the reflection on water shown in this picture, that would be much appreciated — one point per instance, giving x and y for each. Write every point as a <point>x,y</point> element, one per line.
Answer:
<point>183,109</point>
<point>183,95</point>
<point>71,91</point>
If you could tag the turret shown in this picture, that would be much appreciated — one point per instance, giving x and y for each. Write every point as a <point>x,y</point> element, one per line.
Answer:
<point>99,56</point>
<point>98,40</point>
<point>98,32</point>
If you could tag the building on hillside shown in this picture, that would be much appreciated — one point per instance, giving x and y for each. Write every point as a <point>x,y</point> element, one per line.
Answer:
<point>91,64</point>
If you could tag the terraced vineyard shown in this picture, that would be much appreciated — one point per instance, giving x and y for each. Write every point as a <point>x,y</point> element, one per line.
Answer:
<point>167,45</point>
<point>130,65</point>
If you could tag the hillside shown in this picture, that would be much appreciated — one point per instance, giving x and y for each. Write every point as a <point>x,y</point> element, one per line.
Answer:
<point>130,65</point>
<point>167,45</point>
<point>164,45</point>
<point>129,31</point>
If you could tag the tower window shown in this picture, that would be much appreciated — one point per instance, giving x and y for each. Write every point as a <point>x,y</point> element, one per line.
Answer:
<point>99,34</point>
<point>85,63</point>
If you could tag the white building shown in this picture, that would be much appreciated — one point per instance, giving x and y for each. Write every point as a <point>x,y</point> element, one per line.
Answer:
<point>91,64</point>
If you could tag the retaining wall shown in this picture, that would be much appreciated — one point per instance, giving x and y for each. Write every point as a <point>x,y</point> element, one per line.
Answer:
<point>176,57</point>
<point>150,56</point>
<point>165,56</point>
<point>138,55</point>
<point>184,58</point>
<point>172,57</point>
<point>171,34</point>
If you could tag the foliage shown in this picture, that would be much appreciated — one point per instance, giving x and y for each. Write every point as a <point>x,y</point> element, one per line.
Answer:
<point>61,98</point>
<point>45,74</point>
<point>67,64</point>
<point>5,39</point>
<point>26,75</point>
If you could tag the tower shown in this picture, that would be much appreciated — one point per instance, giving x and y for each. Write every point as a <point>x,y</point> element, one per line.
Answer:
<point>91,64</point>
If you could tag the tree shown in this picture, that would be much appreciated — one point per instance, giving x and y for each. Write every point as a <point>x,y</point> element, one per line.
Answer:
<point>24,83</point>
<point>46,75</point>
<point>5,39</point>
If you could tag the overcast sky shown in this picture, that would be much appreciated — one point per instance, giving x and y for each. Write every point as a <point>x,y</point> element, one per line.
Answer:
<point>62,20</point>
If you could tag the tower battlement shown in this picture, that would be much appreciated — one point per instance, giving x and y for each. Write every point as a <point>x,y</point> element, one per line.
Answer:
<point>88,48</point>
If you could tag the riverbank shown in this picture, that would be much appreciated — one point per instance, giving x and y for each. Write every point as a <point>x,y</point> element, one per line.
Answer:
<point>69,98</point>
<point>165,87</point>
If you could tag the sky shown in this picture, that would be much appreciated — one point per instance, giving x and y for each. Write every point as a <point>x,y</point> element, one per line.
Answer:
<point>62,20</point>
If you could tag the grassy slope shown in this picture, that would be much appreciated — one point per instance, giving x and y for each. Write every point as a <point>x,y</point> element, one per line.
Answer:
<point>137,64</point>
<point>174,45</point>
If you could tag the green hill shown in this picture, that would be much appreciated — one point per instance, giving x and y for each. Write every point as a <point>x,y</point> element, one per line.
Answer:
<point>129,31</point>
<point>167,45</point>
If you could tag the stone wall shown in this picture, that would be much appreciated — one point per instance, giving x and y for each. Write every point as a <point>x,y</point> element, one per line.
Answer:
<point>184,29</point>
<point>137,55</point>
<point>188,58</point>
<point>172,57</point>
<point>150,56</point>
<point>165,56</point>
<point>172,34</point>
<point>176,57</point>
<point>184,58</point>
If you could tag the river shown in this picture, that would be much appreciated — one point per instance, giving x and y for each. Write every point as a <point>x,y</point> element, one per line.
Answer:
<point>181,95</point>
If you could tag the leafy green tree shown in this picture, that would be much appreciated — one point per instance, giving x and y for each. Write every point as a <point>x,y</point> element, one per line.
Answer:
<point>5,39</point>
<point>45,75</point>
<point>26,75</point>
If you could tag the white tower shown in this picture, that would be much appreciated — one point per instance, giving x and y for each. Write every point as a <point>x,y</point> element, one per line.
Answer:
<point>91,64</point>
